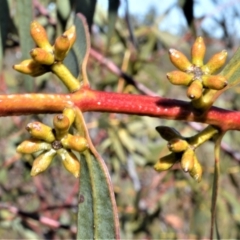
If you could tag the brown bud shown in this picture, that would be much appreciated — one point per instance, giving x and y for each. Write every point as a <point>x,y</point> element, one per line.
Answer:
<point>42,162</point>
<point>196,171</point>
<point>76,143</point>
<point>165,162</point>
<point>65,76</point>
<point>70,161</point>
<point>40,131</point>
<point>216,82</point>
<point>187,161</point>
<point>179,60</point>
<point>177,145</point>
<point>39,36</point>
<point>168,133</point>
<point>195,89</point>
<point>61,47</point>
<point>71,35</point>
<point>61,124</point>
<point>30,67</point>
<point>215,62</point>
<point>32,145</point>
<point>198,52</point>
<point>180,78</point>
<point>42,56</point>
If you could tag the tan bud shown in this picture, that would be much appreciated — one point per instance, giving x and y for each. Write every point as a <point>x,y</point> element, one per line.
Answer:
<point>70,161</point>
<point>195,89</point>
<point>215,62</point>
<point>42,162</point>
<point>187,161</point>
<point>61,124</point>
<point>39,36</point>
<point>42,56</point>
<point>168,133</point>
<point>32,145</point>
<point>196,171</point>
<point>180,78</point>
<point>198,52</point>
<point>71,34</point>
<point>61,47</point>
<point>177,145</point>
<point>165,162</point>
<point>76,143</point>
<point>30,67</point>
<point>65,76</point>
<point>179,60</point>
<point>41,131</point>
<point>216,82</point>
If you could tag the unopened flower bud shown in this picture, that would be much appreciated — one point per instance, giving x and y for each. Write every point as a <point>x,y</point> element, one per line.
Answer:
<point>179,60</point>
<point>168,133</point>
<point>165,162</point>
<point>71,35</point>
<point>187,161</point>
<point>65,76</point>
<point>70,161</point>
<point>195,89</point>
<point>177,145</point>
<point>40,131</point>
<point>70,114</point>
<point>180,78</point>
<point>39,36</point>
<point>61,124</point>
<point>32,145</point>
<point>42,162</point>
<point>198,52</point>
<point>30,67</point>
<point>42,56</point>
<point>216,82</point>
<point>215,62</point>
<point>76,143</point>
<point>61,47</point>
<point>196,171</point>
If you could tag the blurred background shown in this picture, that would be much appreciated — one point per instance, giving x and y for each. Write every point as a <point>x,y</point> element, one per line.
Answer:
<point>130,42</point>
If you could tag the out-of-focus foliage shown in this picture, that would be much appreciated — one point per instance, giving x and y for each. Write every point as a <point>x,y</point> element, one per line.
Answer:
<point>151,205</point>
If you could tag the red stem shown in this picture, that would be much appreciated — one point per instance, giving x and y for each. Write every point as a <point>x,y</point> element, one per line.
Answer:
<point>90,100</point>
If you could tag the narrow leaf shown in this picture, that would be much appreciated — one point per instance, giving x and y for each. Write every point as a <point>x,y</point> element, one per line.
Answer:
<point>112,17</point>
<point>87,8</point>
<point>4,24</point>
<point>80,50</point>
<point>96,193</point>
<point>24,18</point>
<point>100,220</point>
<point>215,188</point>
<point>85,211</point>
<point>232,70</point>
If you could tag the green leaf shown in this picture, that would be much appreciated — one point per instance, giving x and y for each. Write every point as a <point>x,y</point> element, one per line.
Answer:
<point>24,19</point>
<point>97,210</point>
<point>78,56</point>
<point>112,17</point>
<point>87,8</point>
<point>4,24</point>
<point>95,214</point>
<point>232,71</point>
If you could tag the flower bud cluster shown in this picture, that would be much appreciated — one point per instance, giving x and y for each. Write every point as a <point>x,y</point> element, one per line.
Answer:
<point>46,57</point>
<point>51,142</point>
<point>196,75</point>
<point>181,151</point>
